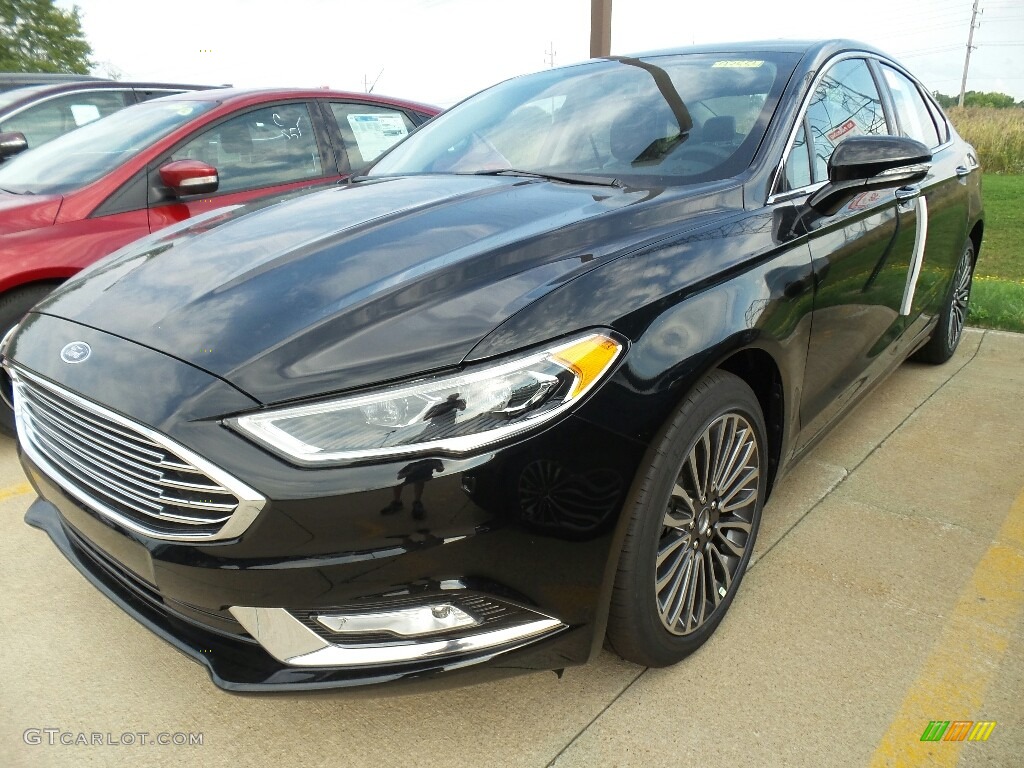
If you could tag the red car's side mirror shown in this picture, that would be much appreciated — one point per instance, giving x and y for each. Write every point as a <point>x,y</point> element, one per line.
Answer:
<point>189,177</point>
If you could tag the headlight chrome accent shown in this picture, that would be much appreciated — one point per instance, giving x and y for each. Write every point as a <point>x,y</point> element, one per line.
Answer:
<point>453,415</point>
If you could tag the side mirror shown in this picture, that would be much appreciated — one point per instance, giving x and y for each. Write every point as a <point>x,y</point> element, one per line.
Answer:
<point>11,143</point>
<point>864,163</point>
<point>189,177</point>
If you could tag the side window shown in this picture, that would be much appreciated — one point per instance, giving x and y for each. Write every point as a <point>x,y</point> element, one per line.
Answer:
<point>914,118</point>
<point>940,120</point>
<point>268,146</point>
<point>845,103</point>
<point>55,117</point>
<point>367,130</point>
<point>798,164</point>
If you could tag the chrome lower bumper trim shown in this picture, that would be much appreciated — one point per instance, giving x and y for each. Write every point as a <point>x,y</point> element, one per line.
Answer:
<point>291,642</point>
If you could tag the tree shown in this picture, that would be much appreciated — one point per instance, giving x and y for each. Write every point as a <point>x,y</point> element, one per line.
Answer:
<point>36,36</point>
<point>978,99</point>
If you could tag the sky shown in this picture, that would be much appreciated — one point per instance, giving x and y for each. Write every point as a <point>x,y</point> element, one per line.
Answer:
<point>440,51</point>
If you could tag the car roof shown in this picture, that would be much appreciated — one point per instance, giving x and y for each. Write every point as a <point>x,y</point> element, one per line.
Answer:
<point>18,79</point>
<point>15,98</point>
<point>814,47</point>
<point>241,96</point>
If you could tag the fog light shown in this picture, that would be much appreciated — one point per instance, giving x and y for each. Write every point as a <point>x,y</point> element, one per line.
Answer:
<point>405,622</point>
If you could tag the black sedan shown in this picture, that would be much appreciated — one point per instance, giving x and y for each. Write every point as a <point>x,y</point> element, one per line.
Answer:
<point>524,386</point>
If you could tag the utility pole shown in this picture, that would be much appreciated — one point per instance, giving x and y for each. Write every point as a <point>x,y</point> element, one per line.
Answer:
<point>600,28</point>
<point>970,47</point>
<point>550,53</point>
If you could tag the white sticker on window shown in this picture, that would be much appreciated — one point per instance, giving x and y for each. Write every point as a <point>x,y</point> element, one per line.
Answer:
<point>738,64</point>
<point>375,133</point>
<point>85,113</point>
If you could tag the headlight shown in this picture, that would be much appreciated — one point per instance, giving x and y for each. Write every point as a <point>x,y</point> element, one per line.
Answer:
<point>454,415</point>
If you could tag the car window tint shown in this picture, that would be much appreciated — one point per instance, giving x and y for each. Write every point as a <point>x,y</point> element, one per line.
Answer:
<point>845,103</point>
<point>272,145</point>
<point>368,130</point>
<point>914,118</point>
<point>46,121</point>
<point>798,164</point>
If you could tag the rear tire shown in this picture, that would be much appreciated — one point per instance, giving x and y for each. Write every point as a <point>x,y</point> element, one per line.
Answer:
<point>13,306</point>
<point>946,336</point>
<point>684,556</point>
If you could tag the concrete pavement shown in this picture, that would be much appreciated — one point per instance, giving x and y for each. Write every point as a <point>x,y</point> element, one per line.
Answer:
<point>887,591</point>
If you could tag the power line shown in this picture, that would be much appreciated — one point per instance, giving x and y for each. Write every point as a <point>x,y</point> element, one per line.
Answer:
<point>932,52</point>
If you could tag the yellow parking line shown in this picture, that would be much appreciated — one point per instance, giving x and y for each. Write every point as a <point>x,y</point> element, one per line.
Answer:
<point>15,490</point>
<point>952,683</point>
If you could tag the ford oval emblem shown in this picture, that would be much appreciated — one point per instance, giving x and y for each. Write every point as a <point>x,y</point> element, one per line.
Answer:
<point>75,352</point>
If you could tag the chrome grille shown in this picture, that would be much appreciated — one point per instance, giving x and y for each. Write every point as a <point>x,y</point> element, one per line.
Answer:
<point>125,471</point>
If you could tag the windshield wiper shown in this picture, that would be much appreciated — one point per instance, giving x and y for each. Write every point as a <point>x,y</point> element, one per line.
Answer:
<point>570,178</point>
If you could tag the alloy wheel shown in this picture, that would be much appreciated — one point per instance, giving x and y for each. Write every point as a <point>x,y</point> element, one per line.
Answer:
<point>960,299</point>
<point>708,524</point>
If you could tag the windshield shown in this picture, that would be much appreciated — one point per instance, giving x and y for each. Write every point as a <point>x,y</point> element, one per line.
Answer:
<point>659,120</point>
<point>84,155</point>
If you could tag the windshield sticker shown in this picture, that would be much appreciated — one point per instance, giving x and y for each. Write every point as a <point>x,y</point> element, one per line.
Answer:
<point>84,113</point>
<point>375,133</point>
<point>739,63</point>
<point>184,110</point>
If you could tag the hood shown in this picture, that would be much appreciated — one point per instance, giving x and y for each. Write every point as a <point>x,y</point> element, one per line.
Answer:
<point>18,212</point>
<point>358,284</point>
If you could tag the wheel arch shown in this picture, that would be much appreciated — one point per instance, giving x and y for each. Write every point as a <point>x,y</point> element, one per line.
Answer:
<point>976,235</point>
<point>50,277</point>
<point>759,370</point>
<point>750,360</point>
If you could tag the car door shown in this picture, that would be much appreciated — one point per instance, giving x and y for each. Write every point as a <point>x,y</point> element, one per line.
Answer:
<point>260,151</point>
<point>364,131</point>
<point>861,255</point>
<point>940,202</point>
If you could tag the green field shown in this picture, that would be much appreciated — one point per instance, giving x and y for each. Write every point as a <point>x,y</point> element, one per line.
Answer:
<point>997,135</point>
<point>997,299</point>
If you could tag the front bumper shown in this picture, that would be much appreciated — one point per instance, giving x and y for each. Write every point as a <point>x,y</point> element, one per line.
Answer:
<point>519,539</point>
<point>234,662</point>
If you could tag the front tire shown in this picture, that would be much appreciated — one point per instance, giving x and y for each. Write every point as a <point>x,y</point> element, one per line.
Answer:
<point>695,512</point>
<point>13,306</point>
<point>946,336</point>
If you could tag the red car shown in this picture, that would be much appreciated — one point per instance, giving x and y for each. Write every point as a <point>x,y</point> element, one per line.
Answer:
<point>84,195</point>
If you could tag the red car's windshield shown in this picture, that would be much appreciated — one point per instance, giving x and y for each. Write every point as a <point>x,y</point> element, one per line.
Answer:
<point>84,155</point>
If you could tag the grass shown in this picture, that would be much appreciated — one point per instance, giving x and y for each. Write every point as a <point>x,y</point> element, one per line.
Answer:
<point>997,303</point>
<point>997,134</point>
<point>1002,250</point>
<point>997,298</point>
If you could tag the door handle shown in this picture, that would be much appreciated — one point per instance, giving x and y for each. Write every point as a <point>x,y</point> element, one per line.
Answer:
<point>962,170</point>
<point>907,194</point>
